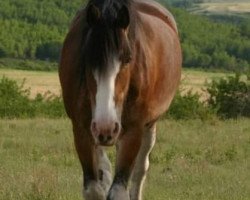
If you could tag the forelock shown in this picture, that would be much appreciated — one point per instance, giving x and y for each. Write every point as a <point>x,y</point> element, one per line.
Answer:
<point>102,41</point>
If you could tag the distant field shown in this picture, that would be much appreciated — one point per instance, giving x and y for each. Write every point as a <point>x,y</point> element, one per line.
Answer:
<point>222,7</point>
<point>40,82</point>
<point>196,81</point>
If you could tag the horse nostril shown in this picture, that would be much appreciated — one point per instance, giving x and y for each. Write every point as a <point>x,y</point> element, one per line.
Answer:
<point>93,127</point>
<point>117,128</point>
<point>101,138</point>
<point>109,138</point>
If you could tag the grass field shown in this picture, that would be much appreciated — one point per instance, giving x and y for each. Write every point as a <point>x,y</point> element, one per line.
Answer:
<point>192,160</point>
<point>40,82</point>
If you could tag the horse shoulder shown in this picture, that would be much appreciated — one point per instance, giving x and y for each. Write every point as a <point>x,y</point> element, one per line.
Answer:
<point>71,61</point>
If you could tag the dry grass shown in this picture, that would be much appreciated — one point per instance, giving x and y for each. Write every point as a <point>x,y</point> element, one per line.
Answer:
<point>222,7</point>
<point>40,82</point>
<point>197,80</point>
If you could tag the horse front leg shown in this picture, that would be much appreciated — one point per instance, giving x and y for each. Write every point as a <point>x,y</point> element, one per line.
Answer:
<point>142,163</point>
<point>104,169</point>
<point>127,150</point>
<point>88,156</point>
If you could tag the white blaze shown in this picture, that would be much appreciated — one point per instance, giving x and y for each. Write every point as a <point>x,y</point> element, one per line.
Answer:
<point>105,106</point>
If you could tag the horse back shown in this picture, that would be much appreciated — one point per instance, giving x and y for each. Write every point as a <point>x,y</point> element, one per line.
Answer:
<point>153,8</point>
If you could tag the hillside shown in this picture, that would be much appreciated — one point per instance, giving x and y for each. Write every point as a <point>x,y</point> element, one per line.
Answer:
<point>34,29</point>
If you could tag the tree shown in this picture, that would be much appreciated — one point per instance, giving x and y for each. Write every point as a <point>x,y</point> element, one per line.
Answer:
<point>49,51</point>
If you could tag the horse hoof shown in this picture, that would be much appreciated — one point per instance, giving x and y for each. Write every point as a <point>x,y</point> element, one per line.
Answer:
<point>94,191</point>
<point>118,192</point>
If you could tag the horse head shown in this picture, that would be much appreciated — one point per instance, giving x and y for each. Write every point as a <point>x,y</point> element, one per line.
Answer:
<point>107,54</point>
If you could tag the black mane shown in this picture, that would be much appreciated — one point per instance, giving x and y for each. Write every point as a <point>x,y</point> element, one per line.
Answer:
<point>103,39</point>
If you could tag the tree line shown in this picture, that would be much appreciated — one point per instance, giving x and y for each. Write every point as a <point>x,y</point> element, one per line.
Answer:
<point>208,44</point>
<point>35,29</point>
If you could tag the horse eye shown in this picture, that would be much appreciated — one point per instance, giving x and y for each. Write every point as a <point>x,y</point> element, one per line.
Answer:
<point>125,58</point>
<point>125,54</point>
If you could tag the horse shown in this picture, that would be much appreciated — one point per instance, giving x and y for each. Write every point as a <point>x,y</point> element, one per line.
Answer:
<point>119,70</point>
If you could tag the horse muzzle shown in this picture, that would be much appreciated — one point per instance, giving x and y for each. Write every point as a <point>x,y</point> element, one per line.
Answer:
<point>105,134</point>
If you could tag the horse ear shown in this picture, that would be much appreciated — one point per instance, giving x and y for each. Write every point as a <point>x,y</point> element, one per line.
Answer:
<point>93,14</point>
<point>123,18</point>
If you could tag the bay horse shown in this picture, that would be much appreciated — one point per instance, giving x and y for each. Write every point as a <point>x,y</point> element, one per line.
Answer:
<point>119,70</point>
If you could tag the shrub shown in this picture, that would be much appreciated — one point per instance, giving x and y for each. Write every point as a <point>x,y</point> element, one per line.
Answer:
<point>248,75</point>
<point>2,52</point>
<point>15,102</point>
<point>36,65</point>
<point>188,106</point>
<point>31,65</point>
<point>49,51</point>
<point>230,97</point>
<point>49,105</point>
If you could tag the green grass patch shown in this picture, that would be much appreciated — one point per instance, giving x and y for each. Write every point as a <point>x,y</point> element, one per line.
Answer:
<point>30,65</point>
<point>191,160</point>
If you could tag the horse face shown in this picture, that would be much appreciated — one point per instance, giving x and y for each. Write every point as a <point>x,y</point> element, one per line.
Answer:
<point>108,54</point>
<point>107,102</point>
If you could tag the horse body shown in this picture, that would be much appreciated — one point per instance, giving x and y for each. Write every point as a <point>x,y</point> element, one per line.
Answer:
<point>154,75</point>
<point>120,103</point>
